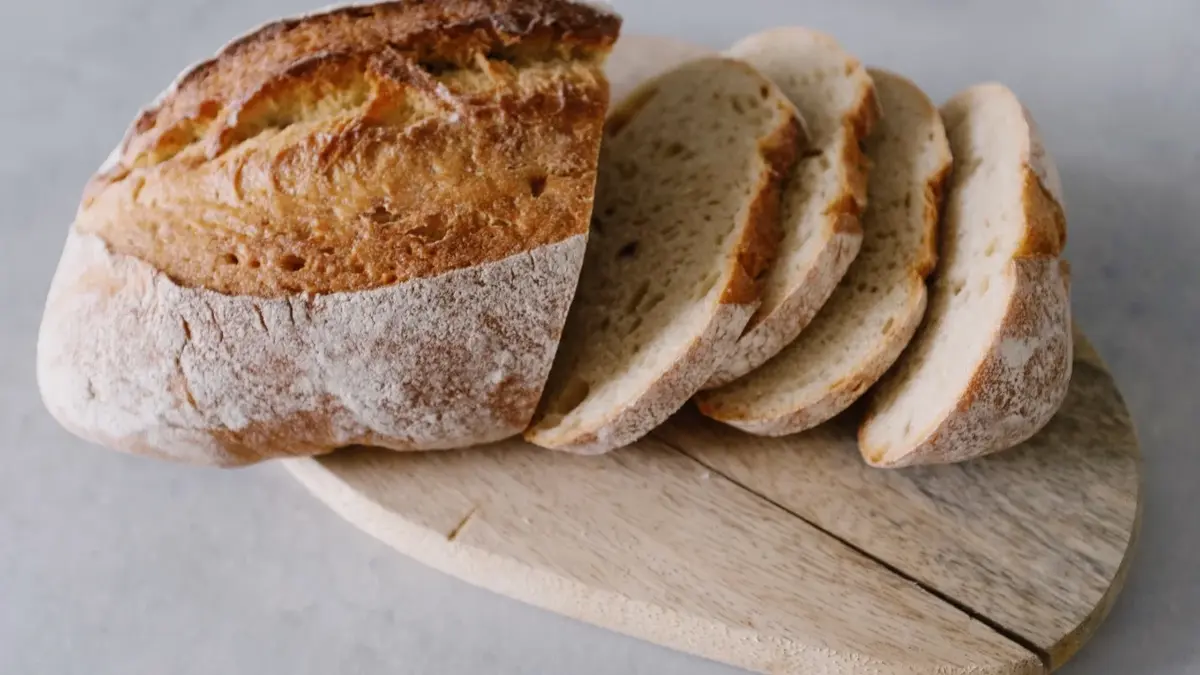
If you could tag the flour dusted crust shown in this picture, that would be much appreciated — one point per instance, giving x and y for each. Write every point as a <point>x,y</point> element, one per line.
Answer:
<point>637,417</point>
<point>1022,377</point>
<point>129,359</point>
<point>1021,382</point>
<point>363,225</point>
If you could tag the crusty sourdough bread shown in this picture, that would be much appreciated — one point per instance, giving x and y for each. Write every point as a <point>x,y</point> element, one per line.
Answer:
<point>360,226</point>
<point>879,304</point>
<point>992,362</point>
<point>824,196</point>
<point>686,220</point>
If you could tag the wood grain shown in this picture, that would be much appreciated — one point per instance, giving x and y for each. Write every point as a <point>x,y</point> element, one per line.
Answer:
<point>648,543</point>
<point>1035,539</point>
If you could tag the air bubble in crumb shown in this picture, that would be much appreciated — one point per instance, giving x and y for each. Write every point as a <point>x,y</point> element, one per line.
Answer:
<point>537,186</point>
<point>381,215</point>
<point>292,263</point>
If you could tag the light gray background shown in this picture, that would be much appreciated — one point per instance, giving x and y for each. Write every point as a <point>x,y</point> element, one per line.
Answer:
<point>113,564</point>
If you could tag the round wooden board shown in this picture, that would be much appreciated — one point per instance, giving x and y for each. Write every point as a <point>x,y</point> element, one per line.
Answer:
<point>781,555</point>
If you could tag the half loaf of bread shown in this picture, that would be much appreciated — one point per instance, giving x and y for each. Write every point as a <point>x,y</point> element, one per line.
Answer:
<point>686,221</point>
<point>876,309</point>
<point>363,226</point>
<point>992,362</point>
<point>824,196</point>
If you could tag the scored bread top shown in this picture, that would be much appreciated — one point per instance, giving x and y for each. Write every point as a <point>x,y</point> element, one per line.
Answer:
<point>365,146</point>
<point>877,307</point>
<point>685,224</point>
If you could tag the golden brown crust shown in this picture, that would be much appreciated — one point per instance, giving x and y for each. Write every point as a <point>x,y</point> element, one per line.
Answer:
<point>1047,231</point>
<point>439,33</point>
<point>756,250</point>
<point>847,209</point>
<point>858,166</point>
<point>935,197</point>
<point>364,147</point>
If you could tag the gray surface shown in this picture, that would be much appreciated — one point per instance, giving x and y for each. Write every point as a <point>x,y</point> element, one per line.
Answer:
<point>112,564</point>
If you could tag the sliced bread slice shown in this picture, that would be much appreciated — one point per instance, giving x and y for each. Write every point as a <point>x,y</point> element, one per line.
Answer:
<point>685,223</point>
<point>992,362</point>
<point>879,304</point>
<point>823,198</point>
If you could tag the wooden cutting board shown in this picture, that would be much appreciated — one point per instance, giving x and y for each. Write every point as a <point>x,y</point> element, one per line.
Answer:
<point>782,555</point>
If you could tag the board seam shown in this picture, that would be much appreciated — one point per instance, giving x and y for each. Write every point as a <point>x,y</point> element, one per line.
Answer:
<point>1005,632</point>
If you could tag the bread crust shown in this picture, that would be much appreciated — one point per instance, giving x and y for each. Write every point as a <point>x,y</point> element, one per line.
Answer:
<point>449,30</point>
<point>129,359</point>
<point>363,147</point>
<point>1033,351</point>
<point>1023,377</point>
<point>842,395</point>
<point>773,328</point>
<point>654,406</point>
<point>755,251</point>
<point>431,326</point>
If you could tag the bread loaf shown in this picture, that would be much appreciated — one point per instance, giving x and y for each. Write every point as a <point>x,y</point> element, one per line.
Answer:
<point>870,318</point>
<point>824,196</point>
<point>686,221</point>
<point>363,226</point>
<point>992,362</point>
